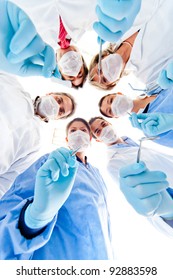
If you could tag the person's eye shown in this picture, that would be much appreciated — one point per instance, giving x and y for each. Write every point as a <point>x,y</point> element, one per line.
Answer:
<point>73,130</point>
<point>58,100</point>
<point>98,132</point>
<point>61,111</point>
<point>80,74</point>
<point>104,80</point>
<point>104,124</point>
<point>84,130</point>
<point>71,78</point>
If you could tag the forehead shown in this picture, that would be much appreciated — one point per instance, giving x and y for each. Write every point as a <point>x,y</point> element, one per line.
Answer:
<point>66,99</point>
<point>97,123</point>
<point>106,99</point>
<point>77,124</point>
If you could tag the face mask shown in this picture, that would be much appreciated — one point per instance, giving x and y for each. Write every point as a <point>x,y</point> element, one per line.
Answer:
<point>112,66</point>
<point>79,139</point>
<point>48,107</point>
<point>108,135</point>
<point>70,63</point>
<point>121,105</point>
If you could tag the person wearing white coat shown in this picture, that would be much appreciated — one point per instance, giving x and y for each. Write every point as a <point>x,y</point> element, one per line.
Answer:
<point>54,18</point>
<point>122,151</point>
<point>20,126</point>
<point>77,16</point>
<point>150,50</point>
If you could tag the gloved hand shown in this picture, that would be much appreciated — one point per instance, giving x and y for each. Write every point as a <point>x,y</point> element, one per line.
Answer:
<point>54,182</point>
<point>22,51</point>
<point>152,124</point>
<point>115,18</point>
<point>165,79</point>
<point>146,191</point>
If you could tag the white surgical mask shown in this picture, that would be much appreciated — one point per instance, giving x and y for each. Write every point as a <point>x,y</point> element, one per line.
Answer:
<point>112,66</point>
<point>48,107</point>
<point>79,139</point>
<point>70,63</point>
<point>121,105</point>
<point>108,135</point>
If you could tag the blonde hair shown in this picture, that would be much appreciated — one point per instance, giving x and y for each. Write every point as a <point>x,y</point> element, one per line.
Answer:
<point>111,49</point>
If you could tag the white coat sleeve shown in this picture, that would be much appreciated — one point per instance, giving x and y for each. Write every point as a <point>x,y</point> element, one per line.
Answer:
<point>148,9</point>
<point>154,161</point>
<point>8,86</point>
<point>162,226</point>
<point>16,123</point>
<point>45,16</point>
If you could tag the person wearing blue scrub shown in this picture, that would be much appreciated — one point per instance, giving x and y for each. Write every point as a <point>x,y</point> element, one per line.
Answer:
<point>160,101</point>
<point>162,105</point>
<point>57,209</point>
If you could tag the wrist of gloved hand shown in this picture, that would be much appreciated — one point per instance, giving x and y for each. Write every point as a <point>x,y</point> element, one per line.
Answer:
<point>36,220</point>
<point>165,208</point>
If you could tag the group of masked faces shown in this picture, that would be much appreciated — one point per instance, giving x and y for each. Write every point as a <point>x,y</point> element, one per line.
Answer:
<point>103,131</point>
<point>73,68</point>
<point>55,106</point>
<point>79,133</point>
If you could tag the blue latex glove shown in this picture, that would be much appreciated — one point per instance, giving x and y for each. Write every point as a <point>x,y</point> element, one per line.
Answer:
<point>54,182</point>
<point>115,18</point>
<point>146,191</point>
<point>165,79</point>
<point>22,51</point>
<point>152,124</point>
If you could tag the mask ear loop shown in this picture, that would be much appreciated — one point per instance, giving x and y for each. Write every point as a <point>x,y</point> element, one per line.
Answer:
<point>36,103</point>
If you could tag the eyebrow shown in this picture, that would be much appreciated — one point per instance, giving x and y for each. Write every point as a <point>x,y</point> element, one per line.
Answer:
<point>95,131</point>
<point>78,127</point>
<point>109,100</point>
<point>83,127</point>
<point>62,103</point>
<point>107,112</point>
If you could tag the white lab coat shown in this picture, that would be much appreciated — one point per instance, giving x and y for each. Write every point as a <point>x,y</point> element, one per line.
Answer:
<point>20,131</point>
<point>119,157</point>
<point>153,47</point>
<point>77,16</point>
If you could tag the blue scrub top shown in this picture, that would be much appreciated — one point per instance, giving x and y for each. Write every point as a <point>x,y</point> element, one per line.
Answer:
<point>163,103</point>
<point>80,231</point>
